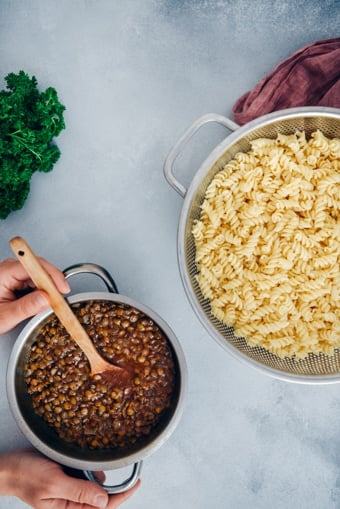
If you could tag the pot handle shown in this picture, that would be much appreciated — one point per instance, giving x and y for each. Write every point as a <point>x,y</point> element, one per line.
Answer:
<point>179,146</point>
<point>92,268</point>
<point>123,486</point>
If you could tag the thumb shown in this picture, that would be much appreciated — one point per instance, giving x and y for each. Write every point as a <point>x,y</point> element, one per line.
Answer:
<point>84,492</point>
<point>26,306</point>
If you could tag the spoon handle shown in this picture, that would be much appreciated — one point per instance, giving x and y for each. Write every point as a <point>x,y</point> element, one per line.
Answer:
<point>43,281</point>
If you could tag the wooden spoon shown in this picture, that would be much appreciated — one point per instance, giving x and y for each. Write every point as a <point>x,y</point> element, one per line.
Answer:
<point>113,375</point>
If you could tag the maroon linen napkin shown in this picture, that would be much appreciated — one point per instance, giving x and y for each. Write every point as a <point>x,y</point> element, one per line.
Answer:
<point>309,77</point>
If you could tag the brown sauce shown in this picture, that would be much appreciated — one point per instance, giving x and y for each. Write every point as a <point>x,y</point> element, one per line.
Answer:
<point>84,409</point>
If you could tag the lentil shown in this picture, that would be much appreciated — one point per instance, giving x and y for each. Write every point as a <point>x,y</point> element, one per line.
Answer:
<point>80,407</point>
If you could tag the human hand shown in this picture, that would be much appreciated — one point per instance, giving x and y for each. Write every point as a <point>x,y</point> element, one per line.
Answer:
<point>14,279</point>
<point>42,484</point>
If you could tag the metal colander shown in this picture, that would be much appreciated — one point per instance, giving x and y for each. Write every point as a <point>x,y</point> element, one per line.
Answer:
<point>313,369</point>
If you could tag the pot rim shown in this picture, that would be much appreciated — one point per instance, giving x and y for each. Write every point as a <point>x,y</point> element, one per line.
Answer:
<point>89,464</point>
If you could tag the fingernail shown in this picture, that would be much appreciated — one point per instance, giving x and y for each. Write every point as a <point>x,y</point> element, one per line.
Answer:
<point>100,501</point>
<point>41,300</point>
<point>67,287</point>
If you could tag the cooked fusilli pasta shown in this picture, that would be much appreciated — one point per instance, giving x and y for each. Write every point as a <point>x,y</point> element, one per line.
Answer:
<point>268,244</point>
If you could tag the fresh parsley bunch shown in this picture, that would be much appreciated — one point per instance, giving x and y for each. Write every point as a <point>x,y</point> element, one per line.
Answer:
<point>29,120</point>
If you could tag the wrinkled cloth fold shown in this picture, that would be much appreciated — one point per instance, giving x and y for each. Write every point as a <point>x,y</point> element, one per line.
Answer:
<point>309,77</point>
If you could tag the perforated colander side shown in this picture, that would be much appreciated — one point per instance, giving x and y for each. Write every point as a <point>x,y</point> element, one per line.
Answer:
<point>313,365</point>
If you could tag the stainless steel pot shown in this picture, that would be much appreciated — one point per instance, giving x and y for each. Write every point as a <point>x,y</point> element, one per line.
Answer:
<point>45,439</point>
<point>316,368</point>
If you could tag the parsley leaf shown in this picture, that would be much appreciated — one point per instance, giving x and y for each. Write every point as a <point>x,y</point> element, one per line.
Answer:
<point>29,120</point>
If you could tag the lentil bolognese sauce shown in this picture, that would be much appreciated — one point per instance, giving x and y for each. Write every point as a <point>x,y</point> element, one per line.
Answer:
<point>84,409</point>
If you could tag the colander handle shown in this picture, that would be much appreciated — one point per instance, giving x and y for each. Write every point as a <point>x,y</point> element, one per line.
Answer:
<point>179,146</point>
<point>123,486</point>
<point>92,268</point>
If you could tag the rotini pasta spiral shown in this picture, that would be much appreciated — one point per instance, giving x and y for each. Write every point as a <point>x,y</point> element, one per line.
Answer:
<point>268,244</point>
